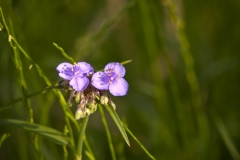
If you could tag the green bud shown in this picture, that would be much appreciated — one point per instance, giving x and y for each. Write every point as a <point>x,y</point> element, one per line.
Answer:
<point>93,107</point>
<point>69,104</point>
<point>77,97</point>
<point>103,99</point>
<point>79,114</point>
<point>112,104</point>
<point>87,112</point>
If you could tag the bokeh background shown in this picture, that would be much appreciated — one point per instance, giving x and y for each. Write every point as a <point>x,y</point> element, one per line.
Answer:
<point>184,95</point>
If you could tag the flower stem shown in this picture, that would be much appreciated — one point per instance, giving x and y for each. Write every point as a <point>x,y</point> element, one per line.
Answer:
<point>108,132</point>
<point>81,137</point>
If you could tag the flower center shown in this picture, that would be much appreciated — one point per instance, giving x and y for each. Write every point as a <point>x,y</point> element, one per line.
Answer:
<point>76,69</point>
<point>113,77</point>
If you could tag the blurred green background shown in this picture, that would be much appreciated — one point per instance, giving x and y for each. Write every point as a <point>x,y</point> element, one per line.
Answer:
<point>184,95</point>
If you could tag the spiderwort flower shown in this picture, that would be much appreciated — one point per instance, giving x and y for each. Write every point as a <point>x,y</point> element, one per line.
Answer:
<point>111,79</point>
<point>76,74</point>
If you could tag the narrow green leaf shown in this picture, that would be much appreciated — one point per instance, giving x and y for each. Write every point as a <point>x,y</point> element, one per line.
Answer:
<point>48,133</point>
<point>4,137</point>
<point>126,62</point>
<point>64,53</point>
<point>140,144</point>
<point>226,137</point>
<point>89,155</point>
<point>118,122</point>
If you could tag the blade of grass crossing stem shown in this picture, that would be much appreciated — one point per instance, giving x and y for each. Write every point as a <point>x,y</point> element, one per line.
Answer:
<point>107,132</point>
<point>118,122</point>
<point>140,144</point>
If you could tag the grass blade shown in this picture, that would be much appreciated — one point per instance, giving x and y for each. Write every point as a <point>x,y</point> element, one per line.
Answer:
<point>48,133</point>
<point>118,122</point>
<point>140,144</point>
<point>63,53</point>
<point>226,137</point>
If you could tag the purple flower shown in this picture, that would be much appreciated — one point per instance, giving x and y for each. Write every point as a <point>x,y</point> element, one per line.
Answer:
<point>76,74</point>
<point>112,79</point>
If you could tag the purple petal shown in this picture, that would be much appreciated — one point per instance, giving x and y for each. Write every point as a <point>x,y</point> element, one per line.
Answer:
<point>115,67</point>
<point>79,83</point>
<point>100,80</point>
<point>85,68</point>
<point>119,87</point>
<point>65,70</point>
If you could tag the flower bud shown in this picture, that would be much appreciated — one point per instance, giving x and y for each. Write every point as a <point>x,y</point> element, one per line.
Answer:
<point>69,102</point>
<point>93,107</point>
<point>112,104</point>
<point>77,97</point>
<point>87,112</point>
<point>79,114</point>
<point>103,99</point>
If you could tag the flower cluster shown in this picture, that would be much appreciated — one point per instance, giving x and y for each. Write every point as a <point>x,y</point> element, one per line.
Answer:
<point>82,84</point>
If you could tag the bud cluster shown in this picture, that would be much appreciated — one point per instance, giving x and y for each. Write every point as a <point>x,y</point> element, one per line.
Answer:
<point>86,100</point>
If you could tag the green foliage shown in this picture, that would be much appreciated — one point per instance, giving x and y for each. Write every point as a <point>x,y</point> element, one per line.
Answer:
<point>49,133</point>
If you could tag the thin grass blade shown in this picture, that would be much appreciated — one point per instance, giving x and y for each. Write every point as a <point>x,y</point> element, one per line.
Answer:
<point>48,133</point>
<point>118,122</point>
<point>140,144</point>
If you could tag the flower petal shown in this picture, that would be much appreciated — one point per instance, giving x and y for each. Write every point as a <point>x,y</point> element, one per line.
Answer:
<point>65,70</point>
<point>119,87</point>
<point>79,83</point>
<point>85,68</point>
<point>100,80</point>
<point>115,67</point>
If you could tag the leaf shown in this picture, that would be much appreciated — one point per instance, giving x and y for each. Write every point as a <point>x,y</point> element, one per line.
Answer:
<point>118,122</point>
<point>48,133</point>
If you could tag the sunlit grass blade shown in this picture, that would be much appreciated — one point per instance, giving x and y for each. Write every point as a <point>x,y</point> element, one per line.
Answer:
<point>64,53</point>
<point>107,132</point>
<point>226,137</point>
<point>118,122</point>
<point>126,62</point>
<point>48,133</point>
<point>4,137</point>
<point>140,144</point>
<point>89,155</point>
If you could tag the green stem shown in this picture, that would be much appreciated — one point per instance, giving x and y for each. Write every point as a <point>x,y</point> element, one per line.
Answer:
<point>81,137</point>
<point>88,147</point>
<point>108,133</point>
<point>8,106</point>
